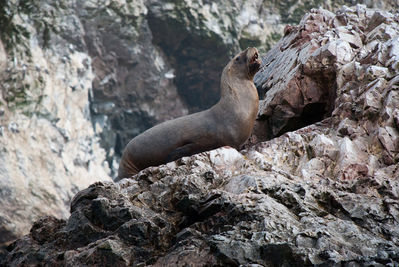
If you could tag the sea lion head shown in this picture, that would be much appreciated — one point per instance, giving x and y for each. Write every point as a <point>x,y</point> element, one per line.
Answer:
<point>245,64</point>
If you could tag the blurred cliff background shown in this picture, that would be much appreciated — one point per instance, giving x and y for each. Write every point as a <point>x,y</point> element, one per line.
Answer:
<point>79,79</point>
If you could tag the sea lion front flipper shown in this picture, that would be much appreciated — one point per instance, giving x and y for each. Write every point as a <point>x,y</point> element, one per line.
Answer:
<point>183,151</point>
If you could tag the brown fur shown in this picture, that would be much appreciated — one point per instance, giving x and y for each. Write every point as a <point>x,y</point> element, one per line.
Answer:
<point>228,123</point>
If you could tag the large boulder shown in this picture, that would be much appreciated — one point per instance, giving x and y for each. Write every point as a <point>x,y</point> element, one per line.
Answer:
<point>326,194</point>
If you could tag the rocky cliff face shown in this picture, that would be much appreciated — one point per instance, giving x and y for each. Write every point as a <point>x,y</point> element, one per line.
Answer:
<point>48,149</point>
<point>326,194</point>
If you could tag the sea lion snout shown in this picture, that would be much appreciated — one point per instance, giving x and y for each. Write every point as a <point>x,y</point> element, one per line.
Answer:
<point>254,61</point>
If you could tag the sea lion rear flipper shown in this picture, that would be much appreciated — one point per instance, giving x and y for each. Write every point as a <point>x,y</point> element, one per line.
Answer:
<point>126,168</point>
<point>183,151</point>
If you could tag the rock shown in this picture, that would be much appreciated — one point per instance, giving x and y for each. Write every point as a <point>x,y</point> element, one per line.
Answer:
<point>48,149</point>
<point>389,139</point>
<point>13,127</point>
<point>3,58</point>
<point>226,156</point>
<point>324,146</point>
<point>305,95</point>
<point>377,18</point>
<point>349,159</point>
<point>306,90</point>
<point>262,217</point>
<point>374,72</point>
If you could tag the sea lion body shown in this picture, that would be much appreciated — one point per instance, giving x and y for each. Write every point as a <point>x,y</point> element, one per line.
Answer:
<point>229,122</point>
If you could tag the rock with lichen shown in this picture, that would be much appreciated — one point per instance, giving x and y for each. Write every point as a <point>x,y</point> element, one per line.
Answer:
<point>48,151</point>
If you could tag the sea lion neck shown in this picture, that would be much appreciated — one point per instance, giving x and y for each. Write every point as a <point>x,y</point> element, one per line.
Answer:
<point>230,83</point>
<point>236,89</point>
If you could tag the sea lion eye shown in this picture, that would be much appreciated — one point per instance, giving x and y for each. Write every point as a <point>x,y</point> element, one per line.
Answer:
<point>256,56</point>
<point>238,58</point>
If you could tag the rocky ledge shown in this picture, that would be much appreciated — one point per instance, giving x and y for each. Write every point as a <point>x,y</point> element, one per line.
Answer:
<point>326,194</point>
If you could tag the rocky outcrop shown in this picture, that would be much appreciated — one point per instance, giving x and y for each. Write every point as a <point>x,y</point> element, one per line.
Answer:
<point>326,194</point>
<point>319,62</point>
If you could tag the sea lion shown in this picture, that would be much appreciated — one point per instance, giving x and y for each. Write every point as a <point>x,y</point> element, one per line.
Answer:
<point>228,123</point>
